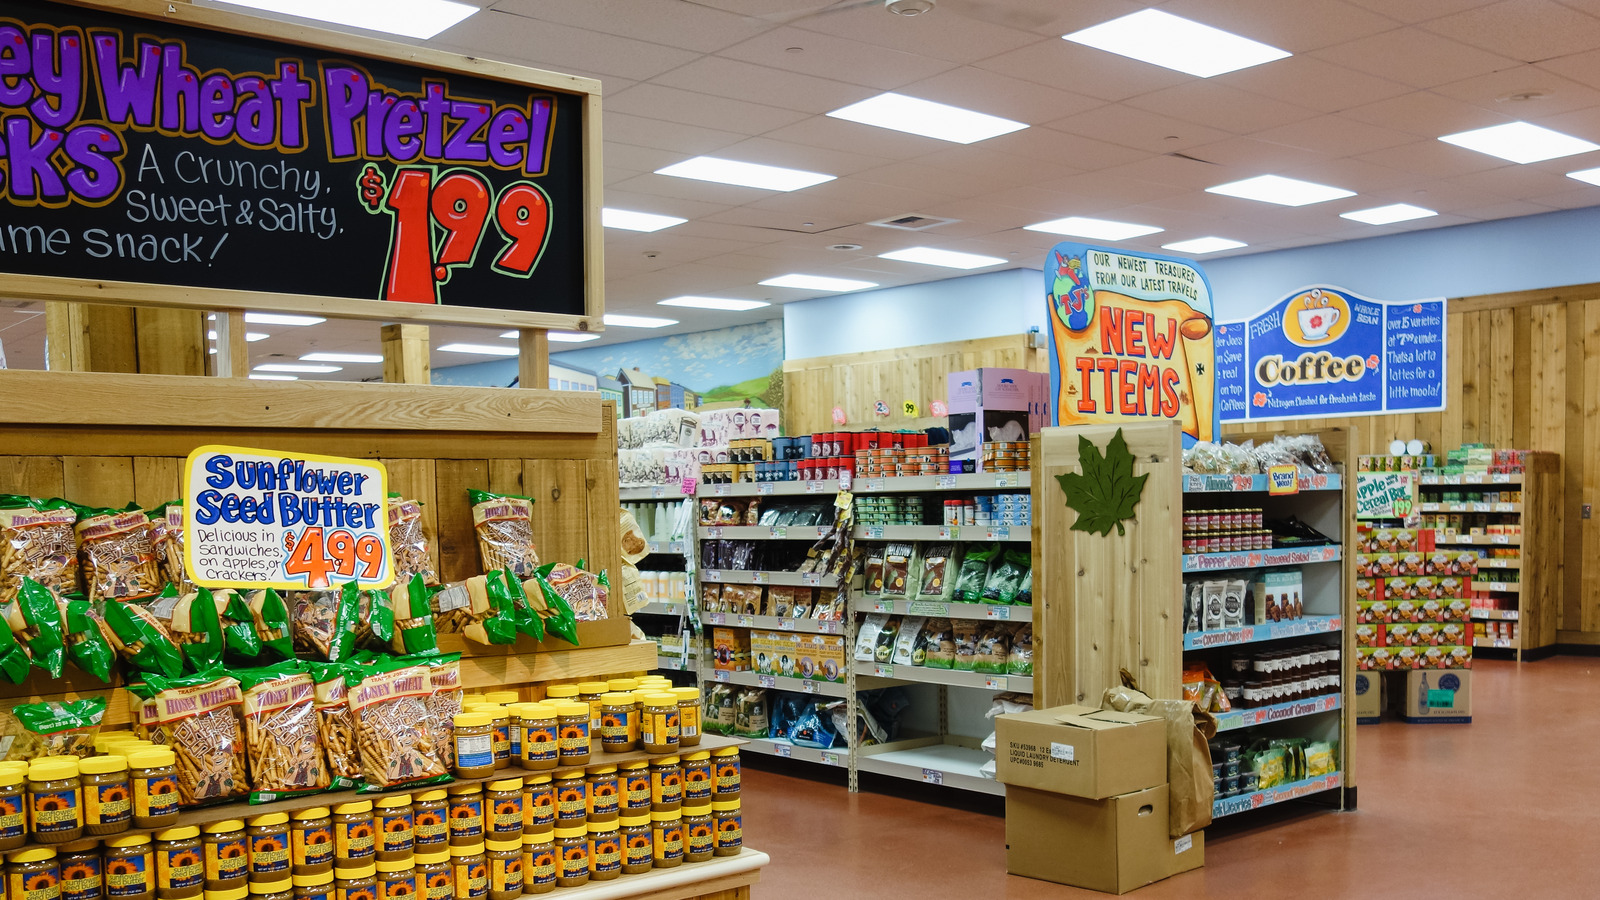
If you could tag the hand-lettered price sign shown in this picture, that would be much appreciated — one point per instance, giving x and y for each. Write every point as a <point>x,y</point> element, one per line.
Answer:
<point>258,518</point>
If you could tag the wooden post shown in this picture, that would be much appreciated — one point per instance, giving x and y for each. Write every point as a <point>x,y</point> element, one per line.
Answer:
<point>170,341</point>
<point>533,363</point>
<point>405,354</point>
<point>233,353</point>
<point>66,337</point>
<point>85,337</point>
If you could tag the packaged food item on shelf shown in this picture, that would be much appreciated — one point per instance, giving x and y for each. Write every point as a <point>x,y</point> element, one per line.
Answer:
<point>335,725</point>
<point>37,541</point>
<point>1005,578</point>
<point>36,622</point>
<point>325,622</point>
<point>974,572</point>
<point>394,737</point>
<point>936,579</point>
<point>586,594</point>
<point>167,538</point>
<point>504,525</point>
<point>51,728</point>
<point>413,555</point>
<point>1020,660</point>
<point>199,717</point>
<point>272,617</point>
<point>118,560</point>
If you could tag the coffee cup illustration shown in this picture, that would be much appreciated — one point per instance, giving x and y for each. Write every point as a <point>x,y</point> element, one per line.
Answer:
<point>1315,323</point>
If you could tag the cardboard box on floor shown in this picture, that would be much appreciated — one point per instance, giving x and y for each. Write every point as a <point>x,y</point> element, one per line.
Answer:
<point>1113,845</point>
<point>1081,751</point>
<point>1369,697</point>
<point>1436,696</point>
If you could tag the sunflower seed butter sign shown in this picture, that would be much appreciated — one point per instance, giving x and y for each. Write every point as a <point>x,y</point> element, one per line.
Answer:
<point>258,519</point>
<point>1324,351</point>
<point>1130,340</point>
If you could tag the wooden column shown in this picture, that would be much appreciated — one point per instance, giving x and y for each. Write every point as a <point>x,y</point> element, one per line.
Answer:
<point>232,359</point>
<point>66,337</point>
<point>170,341</point>
<point>85,337</point>
<point>533,363</point>
<point>405,354</point>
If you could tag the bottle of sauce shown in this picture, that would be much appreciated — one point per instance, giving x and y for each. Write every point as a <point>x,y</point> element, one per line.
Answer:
<point>539,743</point>
<point>699,834</point>
<point>688,716</point>
<point>82,871</point>
<point>470,872</point>
<point>355,838</point>
<point>502,803</point>
<point>505,868</point>
<point>572,856</point>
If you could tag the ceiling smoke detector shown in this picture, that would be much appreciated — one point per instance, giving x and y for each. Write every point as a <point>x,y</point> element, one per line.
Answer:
<point>908,7</point>
<point>844,246</point>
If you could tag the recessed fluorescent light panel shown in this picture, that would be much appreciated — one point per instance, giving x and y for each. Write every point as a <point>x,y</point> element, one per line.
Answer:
<point>638,321</point>
<point>480,349</point>
<point>717,303</point>
<point>1172,42</point>
<point>342,357</point>
<point>1198,246</point>
<point>572,337</point>
<point>420,19</point>
<point>1520,142</point>
<point>1388,215</point>
<point>253,336</point>
<point>950,259</point>
<point>1592,176</point>
<point>927,118</point>
<point>211,335</point>
<point>294,367</point>
<point>818,283</point>
<point>260,377</point>
<point>277,319</point>
<point>744,174</point>
<point>1098,229</point>
<point>1280,190</point>
<point>628,220</point>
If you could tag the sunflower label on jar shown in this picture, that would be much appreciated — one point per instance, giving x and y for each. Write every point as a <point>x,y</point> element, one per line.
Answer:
<point>13,818</point>
<point>396,825</point>
<point>227,859</point>
<point>126,876</point>
<point>400,885</point>
<point>82,878</point>
<point>55,811</point>
<point>312,846</point>
<point>155,795</point>
<point>268,854</point>
<point>34,881</point>
<point>105,804</point>
<point>538,865</point>
<point>179,869</point>
<point>471,877</point>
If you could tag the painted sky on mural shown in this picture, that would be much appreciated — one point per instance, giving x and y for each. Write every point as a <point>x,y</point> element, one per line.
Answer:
<point>699,361</point>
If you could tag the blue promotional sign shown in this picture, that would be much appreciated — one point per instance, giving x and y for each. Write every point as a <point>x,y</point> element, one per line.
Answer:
<point>1324,351</point>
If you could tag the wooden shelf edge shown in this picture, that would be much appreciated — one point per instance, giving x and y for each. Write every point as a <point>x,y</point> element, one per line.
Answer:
<point>557,665</point>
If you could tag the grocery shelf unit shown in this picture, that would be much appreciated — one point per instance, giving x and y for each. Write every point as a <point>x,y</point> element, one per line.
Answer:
<point>1528,581</point>
<point>671,550</point>
<point>1114,602</point>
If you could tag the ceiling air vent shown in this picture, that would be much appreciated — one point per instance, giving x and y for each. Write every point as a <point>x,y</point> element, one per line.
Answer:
<point>912,222</point>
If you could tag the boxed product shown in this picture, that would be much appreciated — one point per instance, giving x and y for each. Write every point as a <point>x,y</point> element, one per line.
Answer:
<point>730,649</point>
<point>1113,845</point>
<point>1081,751</point>
<point>1277,596</point>
<point>828,650</point>
<point>1369,697</point>
<point>1438,697</point>
<point>771,652</point>
<point>994,405</point>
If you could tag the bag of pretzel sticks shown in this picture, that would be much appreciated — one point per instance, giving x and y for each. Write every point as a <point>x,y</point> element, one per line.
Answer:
<point>37,541</point>
<point>414,634</point>
<point>270,616</point>
<point>139,637</point>
<point>117,559</point>
<point>375,620</point>
<point>84,633</point>
<point>209,625</point>
<point>493,611</point>
<point>409,541</point>
<point>37,622</point>
<point>52,728</point>
<point>444,701</point>
<point>199,715</point>
<point>280,731</point>
<point>504,525</point>
<point>396,745</point>
<point>336,729</point>
<point>548,604</point>
<point>325,622</point>
<point>167,536</point>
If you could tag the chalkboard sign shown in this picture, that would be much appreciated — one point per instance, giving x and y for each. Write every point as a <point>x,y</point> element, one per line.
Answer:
<point>154,152</point>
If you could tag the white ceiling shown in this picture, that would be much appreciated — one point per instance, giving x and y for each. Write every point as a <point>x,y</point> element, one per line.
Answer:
<point>1360,105</point>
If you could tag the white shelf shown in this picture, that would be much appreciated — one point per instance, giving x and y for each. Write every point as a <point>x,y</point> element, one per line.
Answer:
<point>950,765</point>
<point>1280,794</point>
<point>993,612</point>
<point>769,488</point>
<point>674,664</point>
<point>1022,684</point>
<point>780,682</point>
<point>1480,540</point>
<point>763,532</point>
<point>775,623</point>
<point>1278,712</point>
<point>1485,614</point>
<point>677,882</point>
<point>1469,506</point>
<point>674,548</point>
<point>787,579</point>
<point>1020,534</point>
<point>1498,587</point>
<point>838,756</point>
<point>1492,563</point>
<point>1484,478</point>
<point>663,492</point>
<point>1271,631</point>
<point>675,608</point>
<point>1496,643</point>
<point>981,481</point>
<point>1254,559</point>
<point>1255,484</point>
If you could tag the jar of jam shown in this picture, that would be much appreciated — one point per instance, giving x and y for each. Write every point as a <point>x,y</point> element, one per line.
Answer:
<point>725,769</point>
<point>13,809</point>
<point>636,852</point>
<point>107,795</point>
<point>226,855</point>
<point>502,804</point>
<point>729,825</point>
<point>572,856</point>
<point>666,839</point>
<point>82,871</point>
<point>470,872</point>
<point>428,813</point>
<point>474,743</point>
<point>397,879</point>
<point>55,800</point>
<point>538,803</point>
<point>605,851</point>
<point>465,815</point>
<point>699,834</point>
<point>276,889</point>
<point>268,835</point>
<point>311,845</point>
<point>355,883</point>
<point>396,828</point>
<point>34,874</point>
<point>130,868</point>
<point>317,886</point>
<point>633,779</point>
<point>180,869</point>
<point>590,692</point>
<point>660,724</point>
<point>572,799</point>
<point>572,734</point>
<point>688,716</point>
<point>539,748</point>
<point>697,780</point>
<point>154,775</point>
<point>604,794</point>
<point>666,784</point>
<point>539,862</point>
<point>505,868</point>
<point>435,877</point>
<point>616,723</point>
<point>355,838</point>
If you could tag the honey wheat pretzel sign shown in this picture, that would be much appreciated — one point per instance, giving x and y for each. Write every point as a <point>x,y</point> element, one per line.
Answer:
<point>1130,339</point>
<point>293,521</point>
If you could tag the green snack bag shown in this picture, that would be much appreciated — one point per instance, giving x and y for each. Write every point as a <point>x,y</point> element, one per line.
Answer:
<point>197,630</point>
<point>414,634</point>
<point>14,662</point>
<point>501,625</point>
<point>36,620</point>
<point>270,615</point>
<point>280,727</point>
<point>1005,579</point>
<point>198,715</point>
<point>57,728</point>
<point>528,621</point>
<point>239,637</point>
<point>87,646</point>
<point>975,571</point>
<point>141,639</point>
<point>389,707</point>
<point>503,524</point>
<point>377,620</point>
<point>559,618</point>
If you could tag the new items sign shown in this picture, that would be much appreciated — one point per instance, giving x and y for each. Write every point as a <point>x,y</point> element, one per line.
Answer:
<point>1130,340</point>
<point>258,519</point>
<point>1324,351</point>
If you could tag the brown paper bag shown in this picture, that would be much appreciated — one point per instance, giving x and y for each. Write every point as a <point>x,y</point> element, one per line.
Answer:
<point>1189,784</point>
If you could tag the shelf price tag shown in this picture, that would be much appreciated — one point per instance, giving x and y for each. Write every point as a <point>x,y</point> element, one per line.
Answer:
<point>1002,613</point>
<point>717,618</point>
<point>721,490</point>
<point>933,776</point>
<point>781,749</point>
<point>767,681</point>
<point>882,606</point>
<point>832,627</point>
<point>764,488</point>
<point>780,532</point>
<point>747,621</point>
<point>785,624</point>
<point>811,579</point>
<point>875,532</point>
<point>761,578</point>
<point>1499,539</point>
<point>872,484</point>
<point>949,533</point>
<point>658,491</point>
<point>1193,483</point>
<point>828,758</point>
<point>944,482</point>
<point>1007,479</point>
<point>1500,478</point>
<point>713,574</point>
<point>816,487</point>
<point>1000,533</point>
<point>883,671</point>
<point>722,675</point>
<point>714,532</point>
<point>810,687</point>
<point>995,683</point>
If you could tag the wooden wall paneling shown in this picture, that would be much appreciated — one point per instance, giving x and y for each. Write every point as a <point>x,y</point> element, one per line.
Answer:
<point>1501,358</point>
<point>560,508</point>
<point>1471,372</point>
<point>1587,603</point>
<point>110,332</point>
<point>1549,420</point>
<point>458,542</point>
<point>99,481</point>
<point>1450,424</point>
<point>414,479</point>
<point>506,477</point>
<point>1542,579</point>
<point>157,480</point>
<point>36,476</point>
<point>171,341</point>
<point>1574,463</point>
<point>605,529</point>
<point>1522,353</point>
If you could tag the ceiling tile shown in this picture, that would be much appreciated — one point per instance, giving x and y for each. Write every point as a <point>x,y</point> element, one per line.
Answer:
<point>1571,199</point>
<point>1448,195</point>
<point>957,38</point>
<point>1425,114</point>
<point>1487,91</point>
<point>1083,69</point>
<point>1313,83</point>
<point>1508,210</point>
<point>643,159</point>
<point>721,195</point>
<point>722,77</point>
<point>686,209</point>
<point>1078,151</point>
<point>1296,27</point>
<point>1433,159</point>
<point>827,56</point>
<point>1334,136</point>
<point>848,202</point>
<point>736,233</point>
<point>1584,123</point>
<point>1175,170</point>
<point>1260,157</point>
<point>501,36</point>
<point>1052,17</point>
<point>1357,175</point>
<point>1220,106</point>
<point>1128,126</point>
<point>691,26</point>
<point>1419,10</point>
<point>1521,181</point>
<point>1583,68</point>
<point>662,135</point>
<point>853,137</point>
<point>772,152</point>
<point>1000,95</point>
<point>653,101</point>
<point>1110,187</point>
<point>1415,57</point>
<point>1528,30</point>
<point>960,181</point>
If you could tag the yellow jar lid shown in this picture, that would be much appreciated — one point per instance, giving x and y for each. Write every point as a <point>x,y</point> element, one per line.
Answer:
<point>430,796</point>
<point>504,845</point>
<point>697,756</point>
<point>433,859</point>
<point>502,696</point>
<point>237,893</point>
<point>18,764</point>
<point>465,789</point>
<point>315,812</point>
<point>636,764</point>
<point>674,816</point>
<point>266,820</point>
<point>601,827</point>
<point>641,693</point>
<point>151,758</point>
<point>271,887</point>
<point>508,784</point>
<point>700,807</point>
<point>473,697</point>
<point>316,880</point>
<point>725,751</point>
<point>561,690</point>
<point>622,684</point>
<point>617,699</point>
<point>180,833</point>
<point>366,871</point>
<point>225,826</point>
<point>529,781</point>
<point>12,777</point>
<point>392,801</point>
<point>686,694</point>
<point>661,700</point>
<point>592,687</point>
<point>725,806</point>
<point>539,837</point>
<point>399,865</point>
<point>352,809</point>
<point>128,840</point>
<point>103,765</point>
<point>635,821</point>
<point>663,761</point>
<point>578,832</point>
<point>574,709</point>
<point>566,774</point>
<point>468,850</point>
<point>80,846</point>
<point>473,719</point>
<point>602,770</point>
<point>492,710</point>
<point>52,768</point>
<point>537,710</point>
